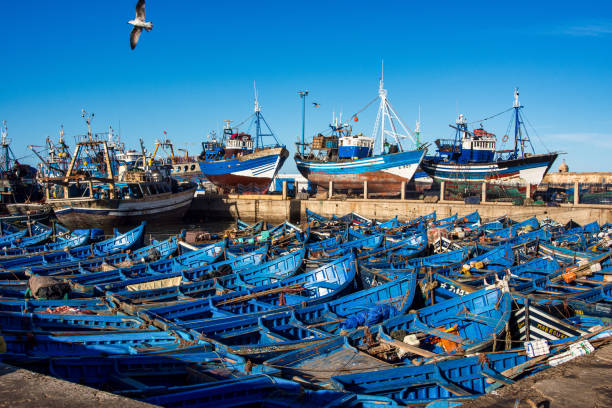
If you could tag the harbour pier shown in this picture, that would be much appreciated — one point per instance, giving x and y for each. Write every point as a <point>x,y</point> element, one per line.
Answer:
<point>275,208</point>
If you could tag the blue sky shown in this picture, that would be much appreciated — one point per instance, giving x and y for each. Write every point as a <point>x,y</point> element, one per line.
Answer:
<point>197,67</point>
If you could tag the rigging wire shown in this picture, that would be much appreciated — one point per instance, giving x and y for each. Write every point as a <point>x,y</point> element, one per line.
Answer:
<point>536,133</point>
<point>244,121</point>
<point>490,117</point>
<point>365,107</point>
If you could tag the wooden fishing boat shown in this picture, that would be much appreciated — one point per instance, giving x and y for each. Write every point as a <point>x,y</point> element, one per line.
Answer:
<point>328,315</point>
<point>93,193</point>
<point>318,363</point>
<point>458,379</point>
<point>470,322</point>
<point>159,250</point>
<point>316,286</point>
<point>94,344</point>
<point>565,254</point>
<point>122,242</point>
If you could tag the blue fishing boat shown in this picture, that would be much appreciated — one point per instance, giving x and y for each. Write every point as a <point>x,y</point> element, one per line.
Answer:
<point>49,321</point>
<point>468,323</point>
<point>152,255</point>
<point>240,164</point>
<point>461,379</point>
<point>348,160</point>
<point>253,390</point>
<point>97,344</point>
<point>473,157</point>
<point>122,242</point>
<point>315,286</point>
<point>263,335</point>
<point>565,254</point>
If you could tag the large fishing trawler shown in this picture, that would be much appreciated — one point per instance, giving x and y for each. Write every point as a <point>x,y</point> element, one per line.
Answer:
<point>472,156</point>
<point>241,163</point>
<point>97,190</point>
<point>349,159</point>
<point>17,180</point>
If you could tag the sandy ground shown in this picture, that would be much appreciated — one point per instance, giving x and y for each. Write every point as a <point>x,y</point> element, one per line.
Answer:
<point>21,388</point>
<point>583,382</point>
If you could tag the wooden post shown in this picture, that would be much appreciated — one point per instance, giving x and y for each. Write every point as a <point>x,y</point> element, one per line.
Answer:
<point>330,190</point>
<point>284,189</point>
<point>442,187</point>
<point>403,191</point>
<point>528,190</point>
<point>90,188</point>
<point>483,197</point>
<point>576,193</point>
<point>365,189</point>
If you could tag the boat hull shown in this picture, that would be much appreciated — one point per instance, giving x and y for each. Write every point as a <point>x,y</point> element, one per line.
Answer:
<point>92,213</point>
<point>252,172</point>
<point>528,170</point>
<point>384,173</point>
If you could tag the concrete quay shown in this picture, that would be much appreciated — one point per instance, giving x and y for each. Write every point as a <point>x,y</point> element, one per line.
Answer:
<point>274,208</point>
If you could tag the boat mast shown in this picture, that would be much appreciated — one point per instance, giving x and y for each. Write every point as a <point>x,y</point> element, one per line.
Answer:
<point>258,120</point>
<point>387,113</point>
<point>6,149</point>
<point>520,138</point>
<point>417,129</point>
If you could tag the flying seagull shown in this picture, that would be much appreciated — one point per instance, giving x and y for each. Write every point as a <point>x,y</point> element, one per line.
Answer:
<point>139,23</point>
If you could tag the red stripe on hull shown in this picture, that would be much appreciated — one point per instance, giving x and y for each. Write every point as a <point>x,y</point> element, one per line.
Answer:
<point>231,181</point>
<point>378,181</point>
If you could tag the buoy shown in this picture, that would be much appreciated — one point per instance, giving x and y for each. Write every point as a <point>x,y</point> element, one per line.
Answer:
<point>355,119</point>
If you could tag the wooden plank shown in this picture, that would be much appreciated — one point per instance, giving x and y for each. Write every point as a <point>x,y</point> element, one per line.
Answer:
<point>407,348</point>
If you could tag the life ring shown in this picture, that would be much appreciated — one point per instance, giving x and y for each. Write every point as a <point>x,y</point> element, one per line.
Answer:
<point>505,138</point>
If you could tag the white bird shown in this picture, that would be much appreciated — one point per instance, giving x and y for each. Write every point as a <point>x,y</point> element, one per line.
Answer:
<point>139,23</point>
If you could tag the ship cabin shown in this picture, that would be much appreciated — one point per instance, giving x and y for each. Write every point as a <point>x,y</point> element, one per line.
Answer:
<point>237,145</point>
<point>474,147</point>
<point>355,147</point>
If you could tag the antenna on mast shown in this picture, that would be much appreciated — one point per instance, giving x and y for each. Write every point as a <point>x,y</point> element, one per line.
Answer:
<point>88,117</point>
<point>417,129</point>
<point>257,109</point>
<point>516,98</point>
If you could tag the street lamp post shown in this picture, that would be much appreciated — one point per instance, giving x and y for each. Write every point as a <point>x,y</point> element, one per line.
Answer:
<point>303,95</point>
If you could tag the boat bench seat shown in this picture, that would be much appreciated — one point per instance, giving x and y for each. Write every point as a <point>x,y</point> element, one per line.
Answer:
<point>325,285</point>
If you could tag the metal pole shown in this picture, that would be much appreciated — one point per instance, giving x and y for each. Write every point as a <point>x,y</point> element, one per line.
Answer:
<point>303,95</point>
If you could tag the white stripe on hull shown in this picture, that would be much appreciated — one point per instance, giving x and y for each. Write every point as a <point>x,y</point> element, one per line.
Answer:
<point>267,170</point>
<point>403,171</point>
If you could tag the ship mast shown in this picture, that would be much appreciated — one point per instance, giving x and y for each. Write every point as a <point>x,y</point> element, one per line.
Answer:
<point>258,119</point>
<point>521,138</point>
<point>6,149</point>
<point>386,115</point>
<point>417,130</point>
